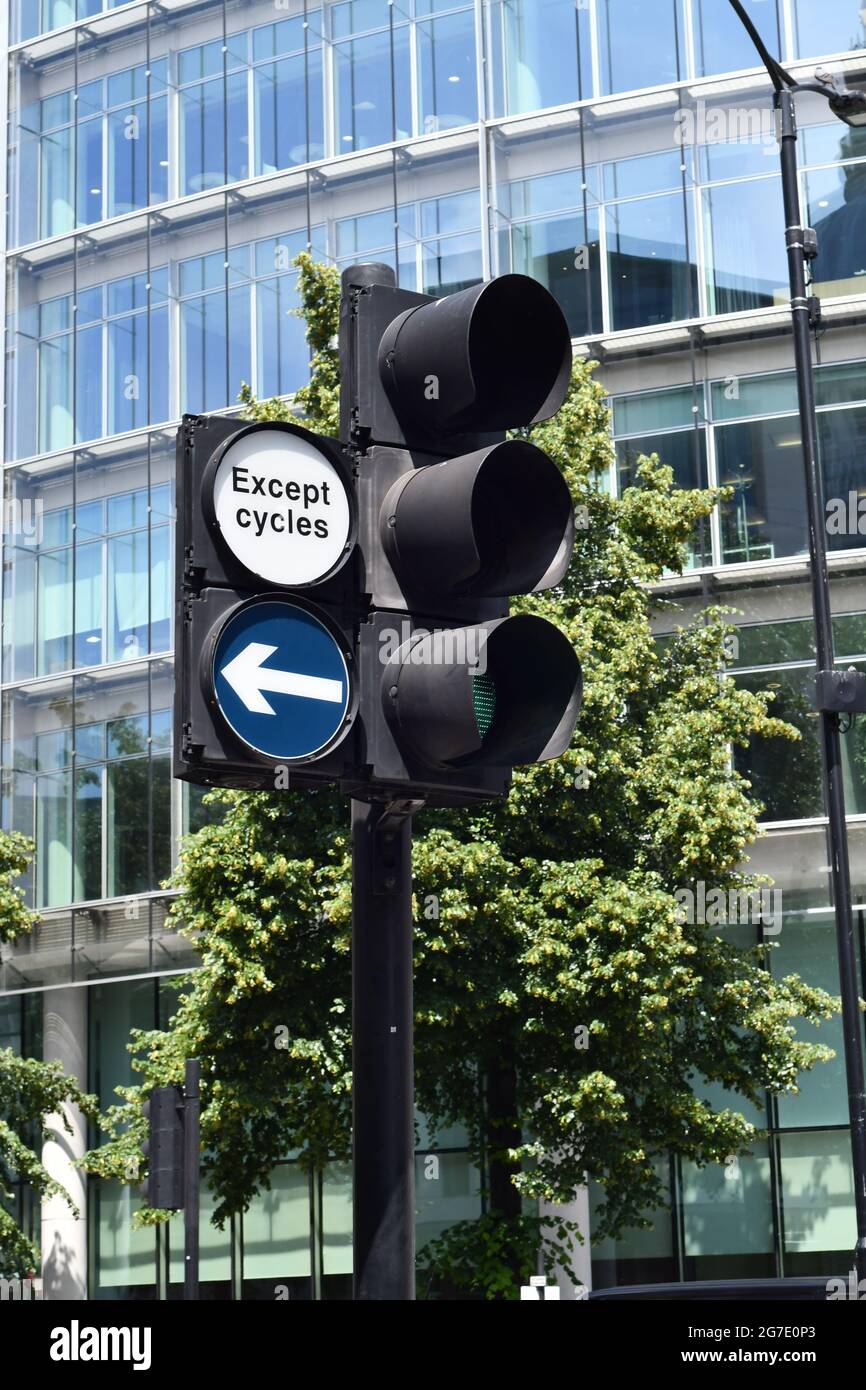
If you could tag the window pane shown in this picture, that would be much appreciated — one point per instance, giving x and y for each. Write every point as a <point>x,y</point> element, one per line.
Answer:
<point>685,452</point>
<point>202,137</point>
<point>282,110</point>
<point>88,383</point>
<point>160,589</point>
<point>727,1217</point>
<point>277,1229</point>
<point>281,347</point>
<point>127,160</point>
<point>653,410</point>
<point>548,57</point>
<point>90,190</point>
<point>806,946</point>
<point>745,229</point>
<point>55,393</point>
<point>127,827</point>
<point>637,1256</point>
<point>836,200</point>
<point>57,196</point>
<point>766,517</point>
<point>88,604</point>
<point>564,257</point>
<point>638,43</point>
<point>363,90</point>
<point>203,353</point>
<point>54,612</point>
<point>124,1257</point>
<point>53,840</point>
<point>650,279</point>
<point>836,26</point>
<point>161,820</point>
<point>817,1201</point>
<point>127,596</point>
<point>88,834</point>
<point>721,41</point>
<point>127,373</point>
<point>446,60</point>
<point>785,776</point>
<point>337,1219</point>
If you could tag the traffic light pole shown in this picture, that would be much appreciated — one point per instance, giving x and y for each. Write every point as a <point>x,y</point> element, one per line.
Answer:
<point>383,1148</point>
<point>801,247</point>
<point>191,1108</point>
<point>834,792</point>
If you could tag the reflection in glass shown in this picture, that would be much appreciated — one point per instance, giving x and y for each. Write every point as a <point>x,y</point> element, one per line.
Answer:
<point>685,452</point>
<point>563,254</point>
<point>785,776</point>
<point>446,72</point>
<point>547,53</point>
<point>817,1201</point>
<point>834,26</point>
<point>368,110</point>
<point>837,210</point>
<point>766,517</point>
<point>745,236</point>
<point>640,43</point>
<point>721,41</point>
<point>652,277</point>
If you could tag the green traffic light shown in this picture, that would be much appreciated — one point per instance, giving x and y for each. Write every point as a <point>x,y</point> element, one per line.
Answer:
<point>484,702</point>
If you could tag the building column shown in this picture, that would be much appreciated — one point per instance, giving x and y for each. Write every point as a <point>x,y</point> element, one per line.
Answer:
<point>579,1271</point>
<point>64,1236</point>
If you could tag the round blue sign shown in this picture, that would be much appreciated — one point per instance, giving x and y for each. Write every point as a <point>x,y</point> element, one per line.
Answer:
<point>280,679</point>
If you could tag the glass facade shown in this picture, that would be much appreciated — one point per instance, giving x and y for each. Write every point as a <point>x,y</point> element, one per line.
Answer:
<point>166,163</point>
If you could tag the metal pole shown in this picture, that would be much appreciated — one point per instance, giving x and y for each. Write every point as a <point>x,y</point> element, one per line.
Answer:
<point>834,794</point>
<point>383,1141</point>
<point>191,1108</point>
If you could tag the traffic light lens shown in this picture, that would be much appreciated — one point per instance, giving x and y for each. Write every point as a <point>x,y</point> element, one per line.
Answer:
<point>484,702</point>
<point>511,311</point>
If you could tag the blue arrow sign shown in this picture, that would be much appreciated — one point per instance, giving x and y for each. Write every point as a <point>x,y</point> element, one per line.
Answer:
<point>280,679</point>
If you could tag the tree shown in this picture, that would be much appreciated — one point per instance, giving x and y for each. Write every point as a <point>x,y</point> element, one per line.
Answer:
<point>565,1013</point>
<point>30,1090</point>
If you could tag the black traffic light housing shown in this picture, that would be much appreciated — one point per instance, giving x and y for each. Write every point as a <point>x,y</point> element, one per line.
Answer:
<point>454,518</point>
<point>164,1148</point>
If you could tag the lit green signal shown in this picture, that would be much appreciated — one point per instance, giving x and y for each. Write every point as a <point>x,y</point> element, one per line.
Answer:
<point>484,702</point>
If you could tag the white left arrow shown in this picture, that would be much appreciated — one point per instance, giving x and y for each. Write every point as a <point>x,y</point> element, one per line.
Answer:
<point>248,677</point>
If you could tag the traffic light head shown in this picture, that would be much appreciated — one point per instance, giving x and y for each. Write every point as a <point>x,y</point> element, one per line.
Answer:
<point>163,1148</point>
<point>459,364</point>
<point>495,522</point>
<point>453,520</point>
<point>494,695</point>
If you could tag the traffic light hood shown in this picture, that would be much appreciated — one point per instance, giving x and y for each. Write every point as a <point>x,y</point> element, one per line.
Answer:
<point>498,521</point>
<point>460,363</point>
<point>499,694</point>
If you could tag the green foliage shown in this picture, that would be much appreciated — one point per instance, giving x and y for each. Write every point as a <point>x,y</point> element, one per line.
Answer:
<point>490,1257</point>
<point>550,913</point>
<point>30,1089</point>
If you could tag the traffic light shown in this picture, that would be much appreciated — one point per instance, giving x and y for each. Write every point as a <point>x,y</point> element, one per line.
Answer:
<point>453,519</point>
<point>164,1148</point>
<point>265,588</point>
<point>342,606</point>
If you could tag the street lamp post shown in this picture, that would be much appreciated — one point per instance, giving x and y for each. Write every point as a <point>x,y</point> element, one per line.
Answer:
<point>836,691</point>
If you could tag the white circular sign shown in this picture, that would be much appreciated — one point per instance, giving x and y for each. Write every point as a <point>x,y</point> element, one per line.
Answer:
<point>281,506</point>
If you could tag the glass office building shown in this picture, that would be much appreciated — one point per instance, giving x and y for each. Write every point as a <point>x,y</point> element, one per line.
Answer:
<point>166,163</point>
